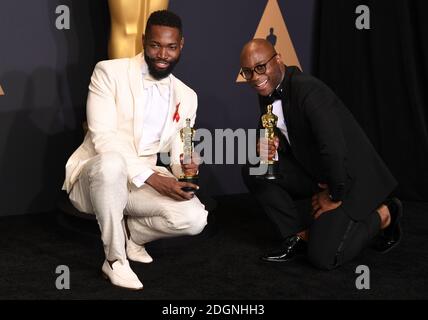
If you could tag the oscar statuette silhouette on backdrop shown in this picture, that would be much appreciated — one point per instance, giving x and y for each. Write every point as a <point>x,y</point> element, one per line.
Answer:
<point>128,21</point>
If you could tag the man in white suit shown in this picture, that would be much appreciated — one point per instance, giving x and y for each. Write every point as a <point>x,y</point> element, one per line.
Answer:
<point>135,111</point>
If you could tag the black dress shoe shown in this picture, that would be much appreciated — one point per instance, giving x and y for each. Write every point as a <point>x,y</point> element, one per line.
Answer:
<point>292,246</point>
<point>390,237</point>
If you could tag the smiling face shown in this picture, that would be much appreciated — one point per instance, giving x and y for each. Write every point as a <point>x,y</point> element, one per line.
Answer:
<point>258,52</point>
<point>162,49</point>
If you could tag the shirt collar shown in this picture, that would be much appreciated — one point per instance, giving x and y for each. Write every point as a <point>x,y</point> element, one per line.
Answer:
<point>148,80</point>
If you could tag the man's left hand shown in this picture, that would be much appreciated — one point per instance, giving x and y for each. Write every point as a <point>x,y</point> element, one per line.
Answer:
<point>321,202</point>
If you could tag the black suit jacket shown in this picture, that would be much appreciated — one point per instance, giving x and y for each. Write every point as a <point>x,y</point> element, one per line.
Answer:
<point>329,144</point>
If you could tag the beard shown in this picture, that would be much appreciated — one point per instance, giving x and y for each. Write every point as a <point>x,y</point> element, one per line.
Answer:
<point>156,73</point>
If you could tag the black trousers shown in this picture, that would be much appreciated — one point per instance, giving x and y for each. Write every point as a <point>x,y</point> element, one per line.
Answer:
<point>334,238</point>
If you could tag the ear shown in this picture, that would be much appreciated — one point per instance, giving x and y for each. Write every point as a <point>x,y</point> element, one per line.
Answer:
<point>279,58</point>
<point>181,43</point>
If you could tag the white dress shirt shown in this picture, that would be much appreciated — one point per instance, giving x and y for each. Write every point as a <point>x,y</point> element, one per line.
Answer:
<point>155,116</point>
<point>281,125</point>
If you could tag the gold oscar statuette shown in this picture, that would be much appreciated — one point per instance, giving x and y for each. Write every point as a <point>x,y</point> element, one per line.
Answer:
<point>187,134</point>
<point>269,121</point>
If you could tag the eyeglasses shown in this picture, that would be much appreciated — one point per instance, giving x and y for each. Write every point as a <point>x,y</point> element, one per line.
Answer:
<point>247,73</point>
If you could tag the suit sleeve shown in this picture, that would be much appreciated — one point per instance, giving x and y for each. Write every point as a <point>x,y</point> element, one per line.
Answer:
<point>320,110</point>
<point>102,121</point>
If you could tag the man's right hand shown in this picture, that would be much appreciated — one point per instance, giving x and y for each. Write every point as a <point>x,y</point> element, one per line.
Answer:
<point>170,187</point>
<point>267,147</point>
<point>321,202</point>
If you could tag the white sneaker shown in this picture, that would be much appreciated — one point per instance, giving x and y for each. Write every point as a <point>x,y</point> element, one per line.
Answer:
<point>136,252</point>
<point>121,275</point>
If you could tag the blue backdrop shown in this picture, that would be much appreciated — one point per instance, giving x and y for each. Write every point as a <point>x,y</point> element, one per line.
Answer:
<point>45,73</point>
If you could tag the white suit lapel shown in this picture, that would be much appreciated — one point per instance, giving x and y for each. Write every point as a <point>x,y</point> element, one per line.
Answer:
<point>136,84</point>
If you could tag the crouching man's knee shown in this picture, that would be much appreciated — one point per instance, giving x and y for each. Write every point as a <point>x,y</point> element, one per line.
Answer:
<point>110,167</point>
<point>196,221</point>
<point>190,222</point>
<point>323,259</point>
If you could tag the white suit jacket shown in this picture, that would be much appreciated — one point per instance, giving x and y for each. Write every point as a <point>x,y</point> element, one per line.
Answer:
<point>115,114</point>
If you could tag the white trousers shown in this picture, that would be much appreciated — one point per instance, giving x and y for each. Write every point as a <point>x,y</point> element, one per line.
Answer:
<point>103,189</point>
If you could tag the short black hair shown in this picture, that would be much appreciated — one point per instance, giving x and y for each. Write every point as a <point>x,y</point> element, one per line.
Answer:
<point>164,18</point>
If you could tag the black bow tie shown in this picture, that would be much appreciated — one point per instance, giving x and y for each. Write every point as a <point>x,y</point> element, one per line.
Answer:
<point>277,94</point>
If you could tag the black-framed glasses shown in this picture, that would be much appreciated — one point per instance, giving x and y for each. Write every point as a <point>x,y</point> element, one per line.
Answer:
<point>247,73</point>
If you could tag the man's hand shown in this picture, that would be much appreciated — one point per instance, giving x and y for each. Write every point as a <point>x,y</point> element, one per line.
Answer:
<point>190,167</point>
<point>170,187</point>
<point>321,202</point>
<point>267,147</point>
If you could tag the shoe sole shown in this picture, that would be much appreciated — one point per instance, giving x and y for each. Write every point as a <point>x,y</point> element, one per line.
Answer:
<point>146,262</point>
<point>391,248</point>
<point>296,256</point>
<point>106,277</point>
<point>400,215</point>
<point>277,261</point>
<point>135,260</point>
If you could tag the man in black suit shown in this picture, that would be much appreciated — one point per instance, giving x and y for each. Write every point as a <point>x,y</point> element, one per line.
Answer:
<point>324,154</point>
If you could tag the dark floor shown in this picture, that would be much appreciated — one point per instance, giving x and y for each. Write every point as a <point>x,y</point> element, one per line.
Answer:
<point>221,263</point>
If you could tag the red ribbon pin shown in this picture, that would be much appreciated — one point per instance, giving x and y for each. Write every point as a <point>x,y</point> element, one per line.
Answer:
<point>176,116</point>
